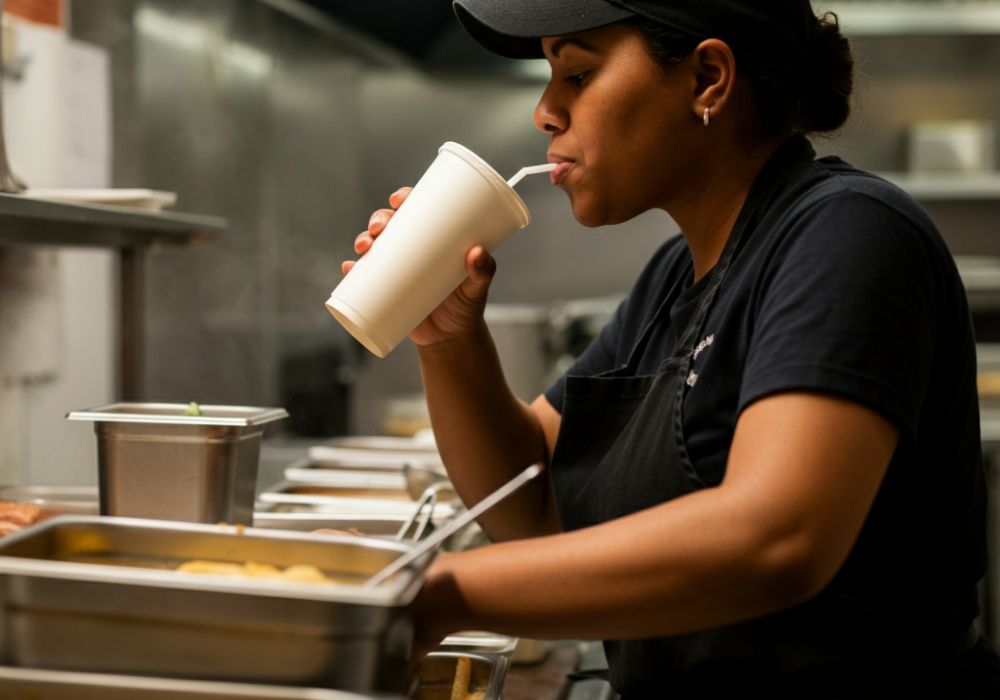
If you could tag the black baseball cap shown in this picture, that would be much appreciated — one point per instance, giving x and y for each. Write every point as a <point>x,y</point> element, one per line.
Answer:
<point>770,29</point>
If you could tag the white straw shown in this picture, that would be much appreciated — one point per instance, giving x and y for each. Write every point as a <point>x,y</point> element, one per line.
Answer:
<point>531,170</point>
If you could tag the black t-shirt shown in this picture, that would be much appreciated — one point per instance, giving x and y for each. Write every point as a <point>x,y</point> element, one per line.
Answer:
<point>853,292</point>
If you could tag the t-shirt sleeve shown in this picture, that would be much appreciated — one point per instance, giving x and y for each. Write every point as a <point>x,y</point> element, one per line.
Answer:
<point>849,307</point>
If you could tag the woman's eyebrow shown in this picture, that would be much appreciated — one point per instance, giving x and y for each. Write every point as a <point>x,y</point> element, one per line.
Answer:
<point>560,44</point>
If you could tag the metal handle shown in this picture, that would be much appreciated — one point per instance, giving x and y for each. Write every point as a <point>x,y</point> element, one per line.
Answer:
<point>439,536</point>
<point>425,507</point>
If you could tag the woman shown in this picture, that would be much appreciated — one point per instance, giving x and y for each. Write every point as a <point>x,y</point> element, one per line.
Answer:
<point>766,472</point>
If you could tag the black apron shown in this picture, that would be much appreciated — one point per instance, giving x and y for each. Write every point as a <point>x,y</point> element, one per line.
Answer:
<point>636,423</point>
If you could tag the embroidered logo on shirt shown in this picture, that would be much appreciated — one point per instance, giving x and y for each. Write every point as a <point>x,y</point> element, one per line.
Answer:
<point>701,346</point>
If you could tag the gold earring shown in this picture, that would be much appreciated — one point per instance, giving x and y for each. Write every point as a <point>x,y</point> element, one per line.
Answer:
<point>705,117</point>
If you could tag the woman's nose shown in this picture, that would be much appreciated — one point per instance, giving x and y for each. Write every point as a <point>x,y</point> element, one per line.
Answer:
<point>549,117</point>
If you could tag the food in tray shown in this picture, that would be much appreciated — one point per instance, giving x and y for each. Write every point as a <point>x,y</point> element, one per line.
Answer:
<point>453,678</point>
<point>297,573</point>
<point>193,409</point>
<point>303,573</point>
<point>354,532</point>
<point>16,516</point>
<point>463,676</point>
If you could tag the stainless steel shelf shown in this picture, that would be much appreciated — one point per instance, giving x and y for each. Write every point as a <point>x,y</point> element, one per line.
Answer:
<point>889,18</point>
<point>957,187</point>
<point>30,221</point>
<point>37,222</point>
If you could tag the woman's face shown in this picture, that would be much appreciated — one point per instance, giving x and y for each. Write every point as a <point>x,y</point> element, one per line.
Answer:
<point>620,123</point>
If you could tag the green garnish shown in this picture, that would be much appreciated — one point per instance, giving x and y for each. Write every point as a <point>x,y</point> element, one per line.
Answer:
<point>193,409</point>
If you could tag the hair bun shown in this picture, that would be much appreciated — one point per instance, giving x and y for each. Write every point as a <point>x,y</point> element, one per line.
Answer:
<point>828,79</point>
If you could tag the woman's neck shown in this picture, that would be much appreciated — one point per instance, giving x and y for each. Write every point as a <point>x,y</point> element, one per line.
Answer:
<point>707,213</point>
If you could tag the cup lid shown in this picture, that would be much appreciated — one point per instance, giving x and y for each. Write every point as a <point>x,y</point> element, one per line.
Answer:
<point>492,176</point>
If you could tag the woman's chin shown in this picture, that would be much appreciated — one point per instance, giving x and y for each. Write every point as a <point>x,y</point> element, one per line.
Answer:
<point>588,215</point>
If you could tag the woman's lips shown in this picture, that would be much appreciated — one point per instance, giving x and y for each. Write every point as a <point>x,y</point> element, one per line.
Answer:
<point>559,174</point>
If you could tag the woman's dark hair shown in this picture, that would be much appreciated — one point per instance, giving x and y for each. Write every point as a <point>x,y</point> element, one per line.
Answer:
<point>808,95</point>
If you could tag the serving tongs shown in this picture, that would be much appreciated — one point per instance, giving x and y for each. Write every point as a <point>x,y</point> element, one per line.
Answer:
<point>424,512</point>
<point>439,536</point>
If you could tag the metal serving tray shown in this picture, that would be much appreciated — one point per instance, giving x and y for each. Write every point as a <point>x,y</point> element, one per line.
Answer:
<point>384,443</point>
<point>304,519</point>
<point>36,684</point>
<point>274,517</point>
<point>437,675</point>
<point>322,497</point>
<point>63,499</point>
<point>361,458</point>
<point>154,461</point>
<point>349,477</point>
<point>105,618</point>
<point>480,642</point>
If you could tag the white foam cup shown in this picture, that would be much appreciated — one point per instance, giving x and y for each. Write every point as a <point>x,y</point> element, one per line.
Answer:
<point>419,259</point>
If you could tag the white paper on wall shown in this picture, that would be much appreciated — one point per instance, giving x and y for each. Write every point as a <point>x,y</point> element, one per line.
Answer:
<point>87,157</point>
<point>33,105</point>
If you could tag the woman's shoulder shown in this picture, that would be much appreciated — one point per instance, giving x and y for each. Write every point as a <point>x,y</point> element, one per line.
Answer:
<point>839,185</point>
<point>839,206</point>
<point>849,226</point>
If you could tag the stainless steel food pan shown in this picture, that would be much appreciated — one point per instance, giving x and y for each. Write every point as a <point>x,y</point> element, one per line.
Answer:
<point>437,675</point>
<point>63,499</point>
<point>156,462</point>
<point>115,613</point>
<point>304,519</point>
<point>346,476</point>
<point>274,517</point>
<point>360,458</point>
<point>480,642</point>
<point>322,497</point>
<point>36,684</point>
<point>383,443</point>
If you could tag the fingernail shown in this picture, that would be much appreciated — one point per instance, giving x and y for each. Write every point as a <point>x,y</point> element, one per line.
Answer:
<point>376,219</point>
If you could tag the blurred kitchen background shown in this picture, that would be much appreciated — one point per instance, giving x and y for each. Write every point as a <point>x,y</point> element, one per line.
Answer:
<point>292,120</point>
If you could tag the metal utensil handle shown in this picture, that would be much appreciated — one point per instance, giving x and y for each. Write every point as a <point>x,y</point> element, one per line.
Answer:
<point>438,536</point>
<point>427,502</point>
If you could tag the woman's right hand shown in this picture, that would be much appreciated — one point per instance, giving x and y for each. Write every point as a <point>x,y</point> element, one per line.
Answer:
<point>462,310</point>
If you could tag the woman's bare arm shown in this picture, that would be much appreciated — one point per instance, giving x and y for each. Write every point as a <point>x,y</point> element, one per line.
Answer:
<point>486,435</point>
<point>802,474</point>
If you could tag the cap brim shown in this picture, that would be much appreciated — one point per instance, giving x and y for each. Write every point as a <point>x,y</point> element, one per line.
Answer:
<point>513,28</point>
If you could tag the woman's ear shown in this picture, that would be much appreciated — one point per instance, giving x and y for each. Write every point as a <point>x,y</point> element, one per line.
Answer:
<point>715,76</point>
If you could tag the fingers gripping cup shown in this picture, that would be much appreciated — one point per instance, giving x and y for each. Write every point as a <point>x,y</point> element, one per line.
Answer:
<point>419,259</point>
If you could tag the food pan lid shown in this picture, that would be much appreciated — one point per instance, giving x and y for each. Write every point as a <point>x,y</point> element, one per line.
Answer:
<point>174,413</point>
